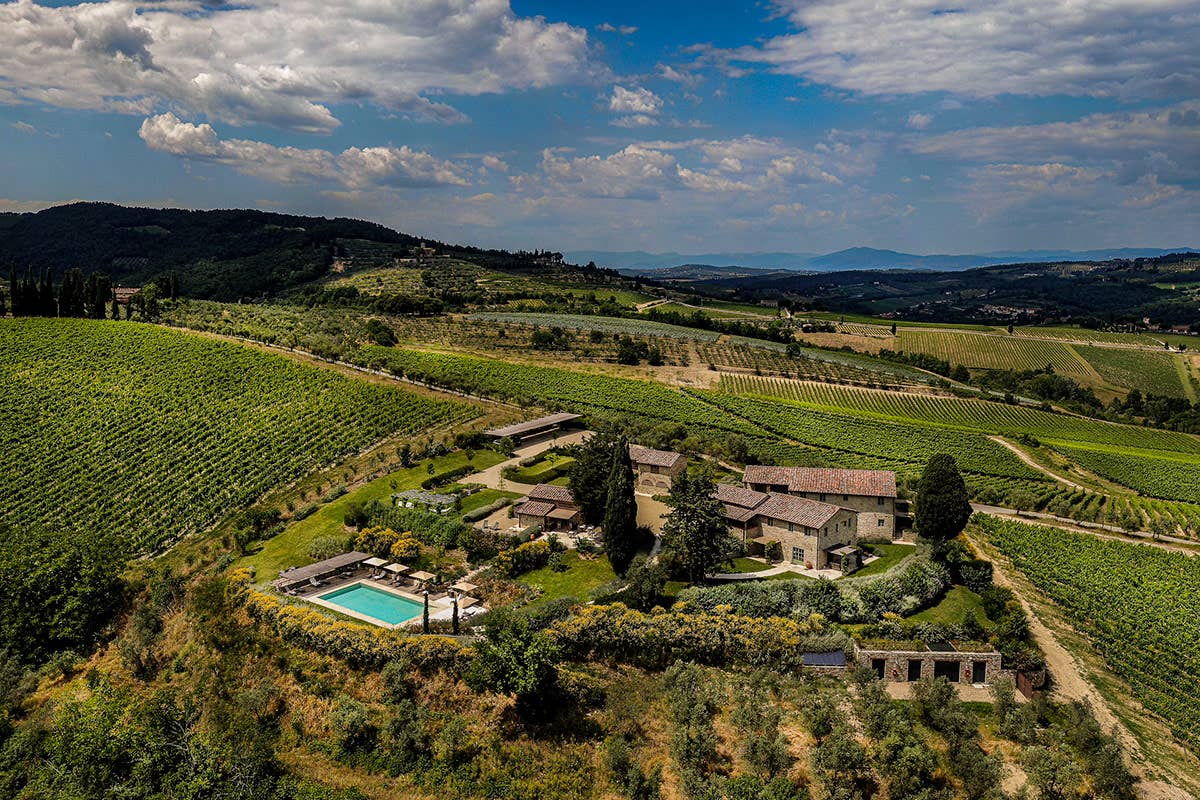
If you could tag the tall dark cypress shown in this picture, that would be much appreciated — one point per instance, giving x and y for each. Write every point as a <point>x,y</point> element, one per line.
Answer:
<point>100,289</point>
<point>620,511</point>
<point>14,296</point>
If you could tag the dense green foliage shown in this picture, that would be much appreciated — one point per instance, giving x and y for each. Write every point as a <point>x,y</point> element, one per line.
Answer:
<point>1139,605</point>
<point>620,511</point>
<point>57,590</point>
<point>695,536</point>
<point>943,504</point>
<point>121,428</point>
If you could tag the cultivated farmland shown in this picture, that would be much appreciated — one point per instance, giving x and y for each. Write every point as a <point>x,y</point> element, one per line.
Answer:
<point>967,413</point>
<point>151,434</point>
<point>1139,605</point>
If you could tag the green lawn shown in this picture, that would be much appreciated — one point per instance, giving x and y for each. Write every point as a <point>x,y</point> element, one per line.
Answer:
<point>954,608</point>
<point>744,565</point>
<point>582,577</point>
<point>485,497</point>
<point>542,471</point>
<point>889,556</point>
<point>290,548</point>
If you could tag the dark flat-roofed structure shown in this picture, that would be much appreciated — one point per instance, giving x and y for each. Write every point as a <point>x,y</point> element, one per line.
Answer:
<point>536,427</point>
<point>302,575</point>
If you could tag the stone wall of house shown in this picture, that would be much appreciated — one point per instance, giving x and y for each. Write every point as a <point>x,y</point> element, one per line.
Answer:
<point>873,525</point>
<point>896,663</point>
<point>814,542</point>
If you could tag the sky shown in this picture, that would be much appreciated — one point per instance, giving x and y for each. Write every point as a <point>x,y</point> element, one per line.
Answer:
<point>929,126</point>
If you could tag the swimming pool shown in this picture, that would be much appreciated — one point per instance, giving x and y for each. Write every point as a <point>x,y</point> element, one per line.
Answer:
<point>376,603</point>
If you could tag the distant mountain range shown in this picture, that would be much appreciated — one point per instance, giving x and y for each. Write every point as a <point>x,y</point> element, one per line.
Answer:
<point>638,262</point>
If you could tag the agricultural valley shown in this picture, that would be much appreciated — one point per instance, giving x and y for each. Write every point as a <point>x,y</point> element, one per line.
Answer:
<point>309,509</point>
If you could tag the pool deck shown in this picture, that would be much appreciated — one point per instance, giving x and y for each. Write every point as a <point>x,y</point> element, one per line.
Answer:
<point>318,598</point>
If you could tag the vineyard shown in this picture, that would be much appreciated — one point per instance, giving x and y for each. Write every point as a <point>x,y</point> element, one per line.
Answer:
<point>1152,371</point>
<point>1166,478</point>
<point>914,444</point>
<point>967,413</point>
<point>979,351</point>
<point>152,434</point>
<point>527,384</point>
<point>1139,605</point>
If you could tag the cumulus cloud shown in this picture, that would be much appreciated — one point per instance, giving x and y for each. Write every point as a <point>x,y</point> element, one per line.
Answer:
<point>280,63</point>
<point>918,121</point>
<point>636,107</point>
<point>984,48</point>
<point>24,127</point>
<point>356,168</point>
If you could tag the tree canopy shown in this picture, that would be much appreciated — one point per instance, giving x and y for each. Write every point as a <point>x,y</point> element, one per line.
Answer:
<point>943,503</point>
<point>695,536</point>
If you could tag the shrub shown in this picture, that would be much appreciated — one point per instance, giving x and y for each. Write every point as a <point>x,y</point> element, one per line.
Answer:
<point>324,547</point>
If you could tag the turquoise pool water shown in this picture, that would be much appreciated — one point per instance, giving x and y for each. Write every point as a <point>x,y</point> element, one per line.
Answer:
<point>375,603</point>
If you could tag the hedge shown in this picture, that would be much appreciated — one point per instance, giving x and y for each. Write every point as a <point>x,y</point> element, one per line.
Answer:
<point>486,511</point>
<point>447,477</point>
<point>359,645</point>
<point>658,639</point>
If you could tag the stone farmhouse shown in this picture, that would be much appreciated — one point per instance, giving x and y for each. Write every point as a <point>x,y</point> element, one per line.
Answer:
<point>654,470</point>
<point>956,662</point>
<point>810,533</point>
<point>552,507</point>
<point>870,494</point>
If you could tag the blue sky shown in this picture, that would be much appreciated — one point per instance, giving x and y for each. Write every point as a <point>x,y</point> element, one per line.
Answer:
<point>801,125</point>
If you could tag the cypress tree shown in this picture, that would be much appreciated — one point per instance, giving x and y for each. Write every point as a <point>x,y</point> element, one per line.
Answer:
<point>943,502</point>
<point>454,615</point>
<point>425,615</point>
<point>14,296</point>
<point>620,511</point>
<point>116,308</point>
<point>100,289</point>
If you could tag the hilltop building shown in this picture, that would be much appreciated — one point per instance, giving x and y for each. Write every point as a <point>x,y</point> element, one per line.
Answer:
<point>810,533</point>
<point>869,493</point>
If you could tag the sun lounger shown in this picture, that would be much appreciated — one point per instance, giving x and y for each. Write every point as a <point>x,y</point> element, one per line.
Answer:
<point>315,582</point>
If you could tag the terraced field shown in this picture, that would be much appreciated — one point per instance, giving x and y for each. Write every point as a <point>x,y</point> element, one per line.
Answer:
<point>151,434</point>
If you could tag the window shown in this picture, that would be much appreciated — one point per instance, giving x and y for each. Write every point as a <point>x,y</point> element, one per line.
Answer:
<point>878,501</point>
<point>879,523</point>
<point>822,497</point>
<point>797,555</point>
<point>845,497</point>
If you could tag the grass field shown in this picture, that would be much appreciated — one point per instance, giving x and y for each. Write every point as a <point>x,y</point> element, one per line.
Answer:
<point>290,548</point>
<point>953,609</point>
<point>152,434</point>
<point>582,577</point>
<point>1152,371</point>
<point>889,556</point>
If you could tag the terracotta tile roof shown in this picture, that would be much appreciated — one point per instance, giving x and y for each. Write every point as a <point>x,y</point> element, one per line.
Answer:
<point>797,510</point>
<point>739,514</point>
<point>654,458</point>
<point>555,494</point>
<point>563,513</point>
<point>740,496</point>
<point>534,508</point>
<point>860,482</point>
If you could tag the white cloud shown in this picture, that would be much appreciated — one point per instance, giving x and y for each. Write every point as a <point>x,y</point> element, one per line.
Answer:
<point>984,48</point>
<point>492,162</point>
<point>280,63</point>
<point>918,121</point>
<point>634,101</point>
<point>624,30</point>
<point>355,168</point>
<point>28,206</point>
<point>635,172</point>
<point>24,127</point>
<point>1163,141</point>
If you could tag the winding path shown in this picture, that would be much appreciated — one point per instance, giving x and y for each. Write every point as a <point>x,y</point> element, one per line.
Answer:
<point>1029,462</point>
